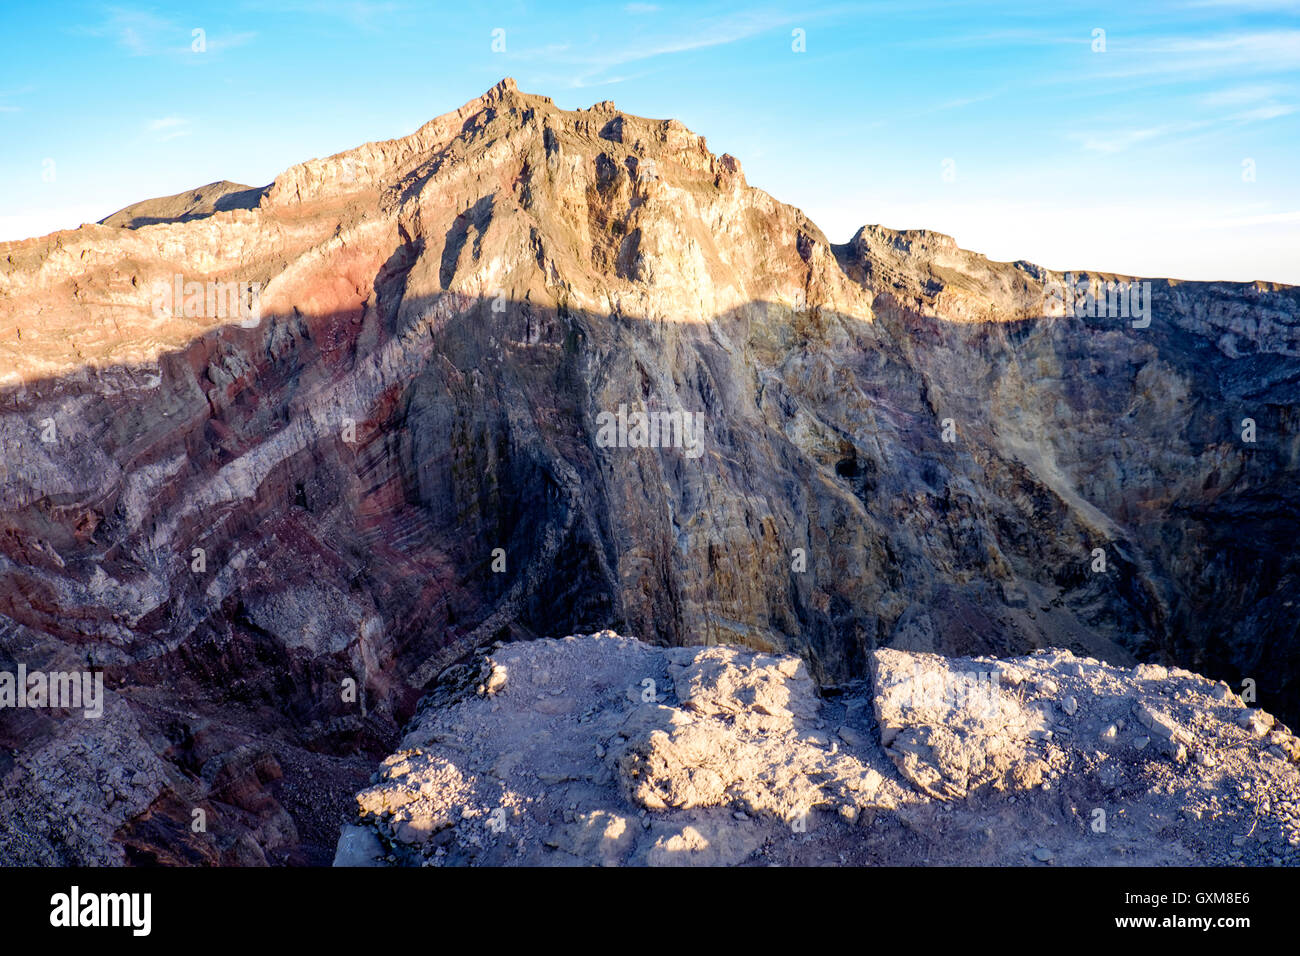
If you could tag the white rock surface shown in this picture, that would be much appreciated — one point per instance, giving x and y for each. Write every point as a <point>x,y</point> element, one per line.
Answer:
<point>602,750</point>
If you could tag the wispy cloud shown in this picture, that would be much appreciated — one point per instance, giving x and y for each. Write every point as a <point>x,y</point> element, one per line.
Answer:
<point>137,31</point>
<point>1121,139</point>
<point>168,128</point>
<point>1180,57</point>
<point>582,83</point>
<point>1271,111</point>
<point>1242,95</point>
<point>228,41</point>
<point>9,94</point>
<point>995,38</point>
<point>1117,141</point>
<point>143,33</point>
<point>593,62</point>
<point>963,101</point>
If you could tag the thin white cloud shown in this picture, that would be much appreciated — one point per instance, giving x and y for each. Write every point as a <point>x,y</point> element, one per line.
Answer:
<point>228,41</point>
<point>1273,51</point>
<point>168,128</point>
<point>594,61</point>
<point>963,101</point>
<point>1271,111</point>
<point>1007,37</point>
<point>1234,45</point>
<point>142,33</point>
<point>1117,141</point>
<point>9,94</point>
<point>580,83</point>
<point>1242,95</point>
<point>136,30</point>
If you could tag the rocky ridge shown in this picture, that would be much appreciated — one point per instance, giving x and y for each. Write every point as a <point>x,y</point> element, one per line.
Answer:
<point>602,750</point>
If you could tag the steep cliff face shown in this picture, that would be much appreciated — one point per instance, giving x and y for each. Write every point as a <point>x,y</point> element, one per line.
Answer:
<point>406,453</point>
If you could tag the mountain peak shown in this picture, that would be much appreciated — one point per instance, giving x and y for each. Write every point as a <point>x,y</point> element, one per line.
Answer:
<point>378,164</point>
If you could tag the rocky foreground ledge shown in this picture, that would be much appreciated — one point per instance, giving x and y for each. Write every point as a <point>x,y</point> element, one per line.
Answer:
<point>603,750</point>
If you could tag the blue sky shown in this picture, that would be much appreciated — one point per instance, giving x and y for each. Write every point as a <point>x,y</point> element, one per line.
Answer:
<point>1175,151</point>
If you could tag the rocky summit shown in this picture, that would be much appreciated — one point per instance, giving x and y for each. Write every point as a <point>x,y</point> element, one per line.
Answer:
<point>280,463</point>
